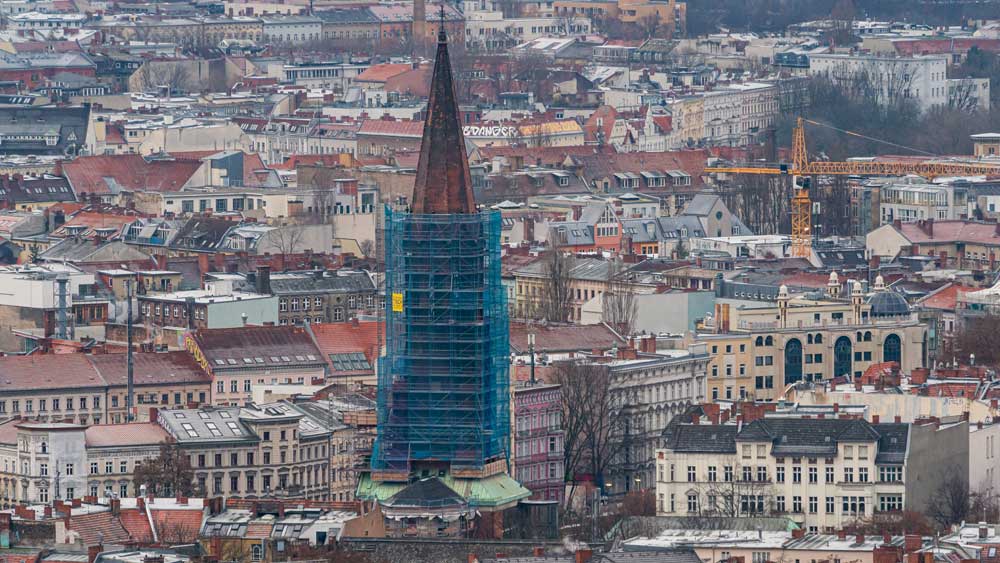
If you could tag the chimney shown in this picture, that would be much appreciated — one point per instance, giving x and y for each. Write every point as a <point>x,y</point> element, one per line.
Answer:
<point>875,419</point>
<point>798,534</point>
<point>264,280</point>
<point>859,539</point>
<point>836,408</point>
<point>886,538</point>
<point>116,506</point>
<point>93,551</point>
<point>538,552</point>
<point>140,503</point>
<point>583,555</point>
<point>897,419</point>
<point>912,542</point>
<point>984,532</point>
<point>841,534</point>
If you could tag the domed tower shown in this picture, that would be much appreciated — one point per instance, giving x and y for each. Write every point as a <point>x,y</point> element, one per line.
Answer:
<point>833,286</point>
<point>857,300</point>
<point>783,299</point>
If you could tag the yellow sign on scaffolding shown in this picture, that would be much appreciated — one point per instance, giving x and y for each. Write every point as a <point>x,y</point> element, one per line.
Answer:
<point>397,302</point>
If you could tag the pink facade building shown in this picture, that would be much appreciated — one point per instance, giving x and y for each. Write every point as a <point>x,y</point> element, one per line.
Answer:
<point>538,440</point>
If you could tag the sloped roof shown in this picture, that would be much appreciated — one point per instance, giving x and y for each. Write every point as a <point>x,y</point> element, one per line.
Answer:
<point>106,174</point>
<point>392,127</point>
<point>343,338</point>
<point>228,345</point>
<point>40,372</point>
<point>150,368</point>
<point>382,72</point>
<point>952,231</point>
<point>136,523</point>
<point>99,528</point>
<point>132,434</point>
<point>562,338</point>
<point>946,298</point>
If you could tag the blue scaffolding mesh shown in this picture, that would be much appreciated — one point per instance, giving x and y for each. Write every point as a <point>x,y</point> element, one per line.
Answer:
<point>443,385</point>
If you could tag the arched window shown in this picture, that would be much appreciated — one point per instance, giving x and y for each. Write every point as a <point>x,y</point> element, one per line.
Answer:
<point>769,341</point>
<point>868,336</point>
<point>858,337</point>
<point>793,361</point>
<point>809,339</point>
<point>759,341</point>
<point>891,349</point>
<point>45,447</point>
<point>842,350</point>
<point>818,339</point>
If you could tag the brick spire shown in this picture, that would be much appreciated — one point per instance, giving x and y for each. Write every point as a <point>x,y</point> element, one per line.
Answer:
<point>443,184</point>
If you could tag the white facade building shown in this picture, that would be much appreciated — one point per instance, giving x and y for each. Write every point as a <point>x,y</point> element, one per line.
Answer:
<point>292,29</point>
<point>888,79</point>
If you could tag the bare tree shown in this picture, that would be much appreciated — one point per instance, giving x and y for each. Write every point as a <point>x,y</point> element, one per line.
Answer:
<point>950,502</point>
<point>591,420</point>
<point>553,304</point>
<point>979,336</point>
<point>172,75</point>
<point>287,238</point>
<point>168,474</point>
<point>619,309</point>
<point>367,247</point>
<point>732,495</point>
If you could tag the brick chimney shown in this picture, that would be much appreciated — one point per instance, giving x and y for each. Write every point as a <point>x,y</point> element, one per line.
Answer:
<point>583,555</point>
<point>875,419</point>
<point>797,534</point>
<point>116,506</point>
<point>859,539</point>
<point>912,542</point>
<point>841,534</point>
<point>897,419</point>
<point>93,551</point>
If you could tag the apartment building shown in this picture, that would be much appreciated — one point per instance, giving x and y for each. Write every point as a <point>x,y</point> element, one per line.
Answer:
<point>91,388</point>
<point>912,200</point>
<point>274,449</point>
<point>823,473</point>
<point>239,359</point>
<point>538,440</point>
<point>923,79</point>
<point>48,461</point>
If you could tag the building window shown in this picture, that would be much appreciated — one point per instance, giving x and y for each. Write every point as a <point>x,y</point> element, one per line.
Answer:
<point>779,475</point>
<point>692,503</point>
<point>830,505</point>
<point>890,503</point>
<point>829,474</point>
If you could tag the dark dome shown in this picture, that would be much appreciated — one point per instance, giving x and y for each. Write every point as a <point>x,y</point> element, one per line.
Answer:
<point>888,304</point>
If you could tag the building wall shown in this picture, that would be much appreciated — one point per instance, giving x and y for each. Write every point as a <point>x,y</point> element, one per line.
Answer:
<point>984,476</point>
<point>779,498</point>
<point>937,454</point>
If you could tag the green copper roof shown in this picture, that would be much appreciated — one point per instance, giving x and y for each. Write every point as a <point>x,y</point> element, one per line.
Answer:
<point>490,492</point>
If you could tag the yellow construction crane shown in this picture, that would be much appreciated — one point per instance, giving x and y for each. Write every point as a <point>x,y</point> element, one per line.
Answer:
<point>801,168</point>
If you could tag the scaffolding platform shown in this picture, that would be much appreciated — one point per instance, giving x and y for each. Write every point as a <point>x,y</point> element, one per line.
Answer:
<point>443,383</point>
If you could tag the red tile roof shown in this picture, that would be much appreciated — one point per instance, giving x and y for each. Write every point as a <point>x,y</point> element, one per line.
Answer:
<point>382,72</point>
<point>135,434</point>
<point>136,523</point>
<point>664,122</point>
<point>177,525</point>
<point>945,298</point>
<point>150,368</point>
<point>95,174</point>
<point>563,338</point>
<point>392,128</point>
<point>258,530</point>
<point>38,372</point>
<point>99,527</point>
<point>951,231</point>
<point>607,115</point>
<point>343,338</point>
